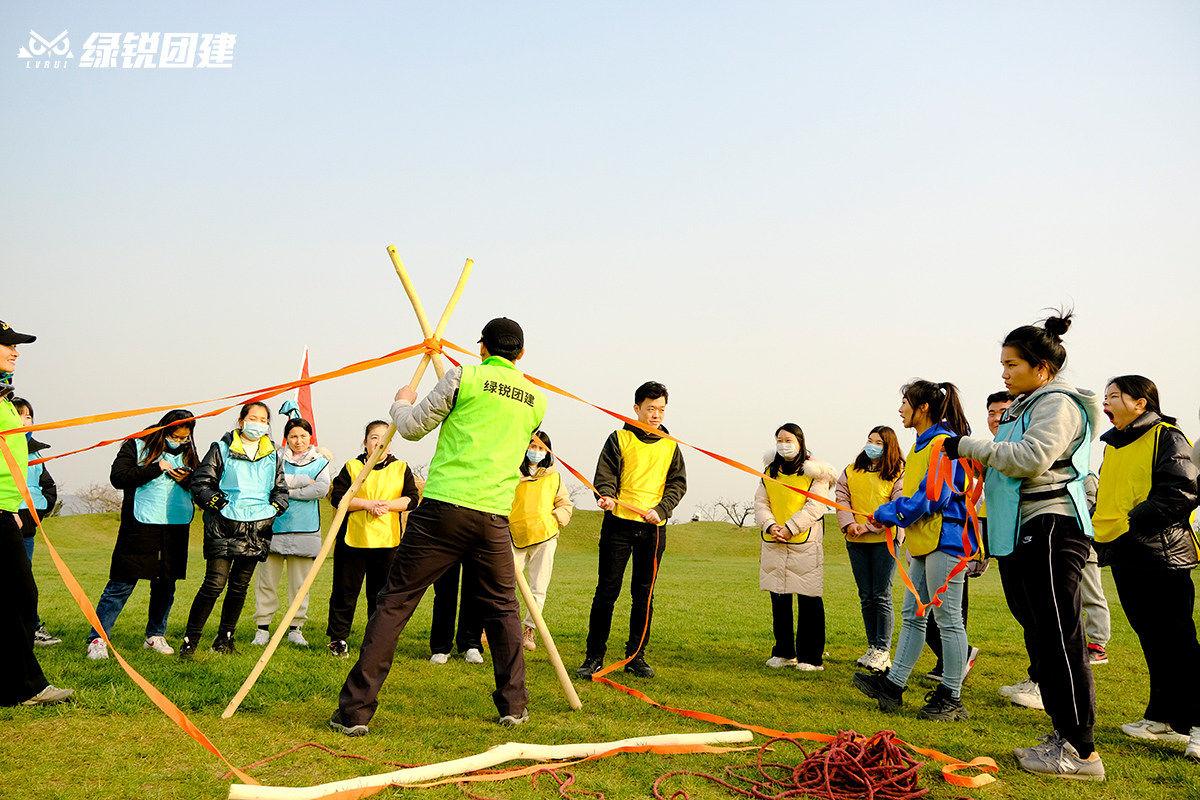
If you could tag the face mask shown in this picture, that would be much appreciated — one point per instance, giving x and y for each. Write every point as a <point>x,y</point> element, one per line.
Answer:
<point>534,456</point>
<point>787,449</point>
<point>255,430</point>
<point>873,451</point>
<point>173,445</point>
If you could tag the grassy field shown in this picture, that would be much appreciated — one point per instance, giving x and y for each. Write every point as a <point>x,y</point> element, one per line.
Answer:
<point>711,636</point>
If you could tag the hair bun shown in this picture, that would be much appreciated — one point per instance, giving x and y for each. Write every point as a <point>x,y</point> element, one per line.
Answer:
<point>1057,326</point>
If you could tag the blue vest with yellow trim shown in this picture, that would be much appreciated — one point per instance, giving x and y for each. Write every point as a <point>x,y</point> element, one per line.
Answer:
<point>248,484</point>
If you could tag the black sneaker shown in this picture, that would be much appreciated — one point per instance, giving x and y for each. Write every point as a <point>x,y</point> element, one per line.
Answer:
<point>336,724</point>
<point>940,706</point>
<point>935,674</point>
<point>876,686</point>
<point>339,649</point>
<point>223,644</point>
<point>590,666</point>
<point>187,649</point>
<point>638,666</point>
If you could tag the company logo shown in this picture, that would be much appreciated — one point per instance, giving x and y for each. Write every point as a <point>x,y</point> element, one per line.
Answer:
<point>134,50</point>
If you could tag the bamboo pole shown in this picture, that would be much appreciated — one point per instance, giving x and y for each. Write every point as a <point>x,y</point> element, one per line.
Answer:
<point>497,755</point>
<point>342,509</point>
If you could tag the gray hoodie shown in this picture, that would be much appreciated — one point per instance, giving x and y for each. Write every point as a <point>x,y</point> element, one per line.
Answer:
<point>1055,430</point>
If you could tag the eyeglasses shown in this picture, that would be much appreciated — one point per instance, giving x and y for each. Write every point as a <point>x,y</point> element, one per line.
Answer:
<point>178,442</point>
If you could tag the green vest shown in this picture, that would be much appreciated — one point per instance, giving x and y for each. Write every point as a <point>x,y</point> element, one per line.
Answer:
<point>10,495</point>
<point>482,440</point>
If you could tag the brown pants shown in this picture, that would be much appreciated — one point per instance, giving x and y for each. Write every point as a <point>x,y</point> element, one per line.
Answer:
<point>440,535</point>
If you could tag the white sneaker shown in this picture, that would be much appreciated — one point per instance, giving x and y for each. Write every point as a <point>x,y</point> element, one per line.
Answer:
<point>1017,688</point>
<point>867,659</point>
<point>439,658</point>
<point>882,660</point>
<point>972,656</point>
<point>1029,699</point>
<point>473,656</point>
<point>1193,748</point>
<point>1149,729</point>
<point>97,649</point>
<point>158,644</point>
<point>296,637</point>
<point>261,637</point>
<point>778,662</point>
<point>803,667</point>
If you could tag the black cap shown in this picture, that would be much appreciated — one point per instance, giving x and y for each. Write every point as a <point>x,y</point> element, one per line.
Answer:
<point>502,334</point>
<point>9,336</point>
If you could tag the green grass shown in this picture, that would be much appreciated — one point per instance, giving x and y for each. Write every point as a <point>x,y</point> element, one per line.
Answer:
<point>711,636</point>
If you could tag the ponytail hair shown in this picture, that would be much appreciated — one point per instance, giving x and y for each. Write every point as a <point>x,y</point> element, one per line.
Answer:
<point>1142,388</point>
<point>942,401</point>
<point>781,464</point>
<point>1041,346</point>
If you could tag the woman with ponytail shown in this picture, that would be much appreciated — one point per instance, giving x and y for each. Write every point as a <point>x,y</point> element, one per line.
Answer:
<point>935,539</point>
<point>1040,529</point>
<point>792,559</point>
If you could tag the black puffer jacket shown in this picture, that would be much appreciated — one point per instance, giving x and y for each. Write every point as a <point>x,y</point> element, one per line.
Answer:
<point>227,538</point>
<point>1160,533</point>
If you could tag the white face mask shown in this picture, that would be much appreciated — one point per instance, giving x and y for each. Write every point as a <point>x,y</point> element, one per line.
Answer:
<point>787,449</point>
<point>253,431</point>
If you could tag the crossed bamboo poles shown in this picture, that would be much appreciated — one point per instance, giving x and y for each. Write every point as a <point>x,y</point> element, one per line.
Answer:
<point>432,355</point>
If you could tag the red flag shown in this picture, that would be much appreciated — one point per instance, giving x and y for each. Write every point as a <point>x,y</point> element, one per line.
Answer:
<point>304,398</point>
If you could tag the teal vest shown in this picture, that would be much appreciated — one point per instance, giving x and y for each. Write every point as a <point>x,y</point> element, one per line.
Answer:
<point>482,440</point>
<point>162,501</point>
<point>248,486</point>
<point>33,480</point>
<point>1003,494</point>
<point>302,516</point>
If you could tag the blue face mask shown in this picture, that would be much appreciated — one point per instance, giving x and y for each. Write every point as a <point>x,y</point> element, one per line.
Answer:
<point>873,451</point>
<point>254,431</point>
<point>534,456</point>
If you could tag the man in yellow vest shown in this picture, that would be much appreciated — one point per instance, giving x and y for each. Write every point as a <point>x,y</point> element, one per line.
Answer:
<point>640,479</point>
<point>487,414</point>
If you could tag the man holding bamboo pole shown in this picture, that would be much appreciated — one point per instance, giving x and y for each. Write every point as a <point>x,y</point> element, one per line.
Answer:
<point>486,414</point>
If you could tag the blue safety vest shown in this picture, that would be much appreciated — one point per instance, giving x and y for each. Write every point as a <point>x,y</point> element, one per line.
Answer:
<point>1003,494</point>
<point>247,484</point>
<point>162,501</point>
<point>302,516</point>
<point>33,480</point>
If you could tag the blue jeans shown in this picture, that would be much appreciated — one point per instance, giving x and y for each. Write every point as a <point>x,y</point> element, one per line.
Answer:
<point>873,568</point>
<point>928,573</point>
<point>116,595</point>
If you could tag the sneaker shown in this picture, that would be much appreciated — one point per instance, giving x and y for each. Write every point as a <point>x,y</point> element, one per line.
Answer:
<point>882,661</point>
<point>876,685</point>
<point>159,645</point>
<point>513,720</point>
<point>529,638</point>
<point>806,667</point>
<point>261,637</point>
<point>294,636</point>
<point>1019,687</point>
<point>223,644</point>
<point>1029,699</point>
<point>1062,761</point>
<point>867,659</point>
<point>97,649</point>
<point>590,666</point>
<point>972,657</point>
<point>1193,748</point>
<point>439,658</point>
<point>187,648</point>
<point>941,706</point>
<point>1097,654</point>
<point>336,724</point>
<point>1148,729</point>
<point>638,666</point>
<point>778,662</point>
<point>50,696</point>
<point>42,637</point>
<point>473,656</point>
<point>1045,742</point>
<point>935,674</point>
<point>339,649</point>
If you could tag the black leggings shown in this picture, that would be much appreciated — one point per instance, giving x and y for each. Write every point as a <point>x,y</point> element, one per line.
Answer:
<point>235,572</point>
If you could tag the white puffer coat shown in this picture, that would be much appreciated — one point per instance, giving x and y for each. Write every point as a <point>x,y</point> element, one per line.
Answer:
<point>796,568</point>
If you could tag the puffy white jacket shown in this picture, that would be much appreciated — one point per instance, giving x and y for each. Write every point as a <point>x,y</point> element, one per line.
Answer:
<point>796,568</point>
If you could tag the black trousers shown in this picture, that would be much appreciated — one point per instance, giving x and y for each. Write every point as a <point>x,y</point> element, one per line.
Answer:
<point>621,539</point>
<point>1018,606</point>
<point>808,644</point>
<point>1046,566</point>
<point>20,676</point>
<point>221,572</point>
<point>933,634</point>
<point>439,536</point>
<point>1159,604</point>
<point>350,566</point>
<point>449,604</point>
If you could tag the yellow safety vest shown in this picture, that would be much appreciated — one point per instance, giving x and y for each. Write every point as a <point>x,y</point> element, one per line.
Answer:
<point>868,491</point>
<point>1126,475</point>
<point>785,503</point>
<point>364,529</point>
<point>922,536</point>
<point>644,469</point>
<point>532,518</point>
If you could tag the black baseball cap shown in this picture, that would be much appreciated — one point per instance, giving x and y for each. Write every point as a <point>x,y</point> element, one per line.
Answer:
<point>503,333</point>
<point>9,336</point>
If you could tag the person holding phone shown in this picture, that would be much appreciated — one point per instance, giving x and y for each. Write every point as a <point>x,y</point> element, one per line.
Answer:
<point>154,471</point>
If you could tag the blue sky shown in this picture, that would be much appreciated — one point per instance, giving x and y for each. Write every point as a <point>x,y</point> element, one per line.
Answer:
<point>783,211</point>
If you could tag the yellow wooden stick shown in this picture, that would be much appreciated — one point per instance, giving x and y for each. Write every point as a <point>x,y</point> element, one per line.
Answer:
<point>564,679</point>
